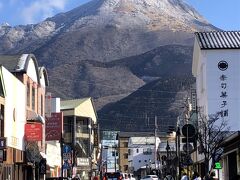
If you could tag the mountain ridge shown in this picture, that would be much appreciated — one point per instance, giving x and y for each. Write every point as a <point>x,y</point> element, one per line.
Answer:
<point>107,49</point>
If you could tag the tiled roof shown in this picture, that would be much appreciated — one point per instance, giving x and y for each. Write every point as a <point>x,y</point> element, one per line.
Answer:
<point>138,134</point>
<point>219,39</point>
<point>72,104</point>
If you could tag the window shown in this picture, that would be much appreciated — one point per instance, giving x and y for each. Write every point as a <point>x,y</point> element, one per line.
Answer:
<point>28,94</point>
<point>33,98</point>
<point>114,153</point>
<point>125,156</point>
<point>42,105</point>
<point>1,88</point>
<point>147,151</point>
<point>125,167</point>
<point>129,151</point>
<point>137,150</point>
<point>125,144</point>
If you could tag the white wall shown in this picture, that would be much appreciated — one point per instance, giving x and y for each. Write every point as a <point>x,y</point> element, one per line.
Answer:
<point>53,153</point>
<point>32,71</point>
<point>15,112</point>
<point>209,95</point>
<point>138,159</point>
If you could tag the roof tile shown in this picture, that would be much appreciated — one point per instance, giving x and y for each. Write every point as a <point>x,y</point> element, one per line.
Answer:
<point>219,39</point>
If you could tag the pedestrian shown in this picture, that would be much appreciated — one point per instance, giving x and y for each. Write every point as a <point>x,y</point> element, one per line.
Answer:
<point>169,177</point>
<point>184,176</point>
<point>196,176</point>
<point>212,174</point>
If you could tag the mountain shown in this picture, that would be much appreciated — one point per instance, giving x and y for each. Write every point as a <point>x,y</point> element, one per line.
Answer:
<point>108,49</point>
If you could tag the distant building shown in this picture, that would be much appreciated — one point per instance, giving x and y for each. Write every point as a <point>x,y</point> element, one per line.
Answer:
<point>123,139</point>
<point>109,156</point>
<point>142,151</point>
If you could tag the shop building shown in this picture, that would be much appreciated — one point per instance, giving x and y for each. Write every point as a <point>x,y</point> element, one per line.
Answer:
<point>216,64</point>
<point>23,84</point>
<point>80,133</point>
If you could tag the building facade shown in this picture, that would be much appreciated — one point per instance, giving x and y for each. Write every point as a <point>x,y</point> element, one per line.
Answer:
<point>23,83</point>
<point>142,153</point>
<point>216,63</point>
<point>79,132</point>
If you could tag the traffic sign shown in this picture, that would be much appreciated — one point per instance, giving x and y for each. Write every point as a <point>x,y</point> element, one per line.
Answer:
<point>217,165</point>
<point>188,130</point>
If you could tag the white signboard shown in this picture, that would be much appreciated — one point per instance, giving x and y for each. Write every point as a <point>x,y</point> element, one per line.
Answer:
<point>82,162</point>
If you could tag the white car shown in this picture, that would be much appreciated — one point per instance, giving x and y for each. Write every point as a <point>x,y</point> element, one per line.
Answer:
<point>150,177</point>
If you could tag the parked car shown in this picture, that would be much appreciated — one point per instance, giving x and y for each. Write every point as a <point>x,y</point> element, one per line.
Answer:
<point>127,176</point>
<point>150,177</point>
<point>112,176</point>
<point>57,178</point>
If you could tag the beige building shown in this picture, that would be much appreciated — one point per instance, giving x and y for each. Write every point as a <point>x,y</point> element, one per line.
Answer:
<point>80,132</point>
<point>123,140</point>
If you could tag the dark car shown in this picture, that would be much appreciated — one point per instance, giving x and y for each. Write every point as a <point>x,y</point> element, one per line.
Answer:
<point>57,178</point>
<point>112,176</point>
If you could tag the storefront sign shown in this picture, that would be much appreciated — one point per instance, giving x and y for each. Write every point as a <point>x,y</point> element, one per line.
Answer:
<point>2,142</point>
<point>33,132</point>
<point>223,65</point>
<point>95,137</point>
<point>54,126</point>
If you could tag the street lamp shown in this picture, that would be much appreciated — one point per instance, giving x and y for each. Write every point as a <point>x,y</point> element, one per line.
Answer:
<point>167,149</point>
<point>150,165</point>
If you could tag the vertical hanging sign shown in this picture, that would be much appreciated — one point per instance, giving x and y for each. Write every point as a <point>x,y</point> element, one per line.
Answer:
<point>54,126</point>
<point>223,65</point>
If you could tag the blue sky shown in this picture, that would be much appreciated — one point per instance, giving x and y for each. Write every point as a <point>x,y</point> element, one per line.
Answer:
<point>224,14</point>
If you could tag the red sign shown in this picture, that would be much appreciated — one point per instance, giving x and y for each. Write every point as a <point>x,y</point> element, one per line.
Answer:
<point>33,132</point>
<point>54,126</point>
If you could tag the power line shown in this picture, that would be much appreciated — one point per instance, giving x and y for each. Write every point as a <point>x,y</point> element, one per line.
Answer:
<point>128,89</point>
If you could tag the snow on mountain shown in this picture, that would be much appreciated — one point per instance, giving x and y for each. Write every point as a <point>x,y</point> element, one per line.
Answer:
<point>126,15</point>
<point>155,14</point>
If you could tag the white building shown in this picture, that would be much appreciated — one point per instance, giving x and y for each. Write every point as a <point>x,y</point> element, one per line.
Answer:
<point>109,154</point>
<point>142,151</point>
<point>216,64</point>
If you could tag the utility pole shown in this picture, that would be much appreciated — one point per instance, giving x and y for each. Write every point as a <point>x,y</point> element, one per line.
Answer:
<point>155,136</point>
<point>61,147</point>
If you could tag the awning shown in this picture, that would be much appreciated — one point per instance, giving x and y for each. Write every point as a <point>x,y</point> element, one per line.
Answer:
<point>33,116</point>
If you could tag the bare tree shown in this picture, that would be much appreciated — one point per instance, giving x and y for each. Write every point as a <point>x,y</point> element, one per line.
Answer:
<point>211,131</point>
